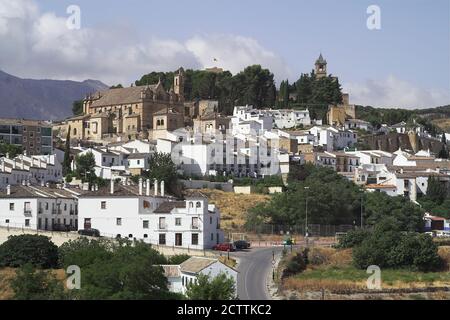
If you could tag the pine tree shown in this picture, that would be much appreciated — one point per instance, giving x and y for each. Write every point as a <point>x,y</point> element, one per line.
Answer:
<point>443,154</point>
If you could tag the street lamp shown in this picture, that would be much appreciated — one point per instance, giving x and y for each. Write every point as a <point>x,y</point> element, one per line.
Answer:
<point>306,211</point>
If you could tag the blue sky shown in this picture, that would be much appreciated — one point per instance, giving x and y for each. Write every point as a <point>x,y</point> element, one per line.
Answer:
<point>409,56</point>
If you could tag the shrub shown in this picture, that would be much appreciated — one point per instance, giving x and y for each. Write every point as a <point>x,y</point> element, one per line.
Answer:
<point>353,238</point>
<point>296,264</point>
<point>178,258</point>
<point>393,249</point>
<point>31,284</point>
<point>36,250</point>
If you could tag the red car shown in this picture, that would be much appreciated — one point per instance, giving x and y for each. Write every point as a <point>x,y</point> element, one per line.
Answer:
<point>225,247</point>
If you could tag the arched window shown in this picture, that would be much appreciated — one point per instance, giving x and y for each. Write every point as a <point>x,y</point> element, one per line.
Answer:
<point>198,205</point>
<point>191,204</point>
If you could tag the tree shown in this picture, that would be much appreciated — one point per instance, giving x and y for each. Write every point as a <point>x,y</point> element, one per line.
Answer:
<point>77,107</point>
<point>220,287</point>
<point>118,86</point>
<point>162,168</point>
<point>28,248</point>
<point>436,191</point>
<point>387,247</point>
<point>66,168</point>
<point>85,167</point>
<point>10,149</point>
<point>443,153</point>
<point>130,271</point>
<point>32,284</point>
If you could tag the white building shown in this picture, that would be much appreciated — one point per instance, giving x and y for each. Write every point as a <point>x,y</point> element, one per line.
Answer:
<point>246,118</point>
<point>179,276</point>
<point>35,169</point>
<point>38,208</point>
<point>288,118</point>
<point>332,138</point>
<point>353,124</point>
<point>141,212</point>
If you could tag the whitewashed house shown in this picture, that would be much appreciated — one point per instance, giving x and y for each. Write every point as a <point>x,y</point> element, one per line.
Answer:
<point>288,118</point>
<point>35,169</point>
<point>142,213</point>
<point>38,208</point>
<point>179,276</point>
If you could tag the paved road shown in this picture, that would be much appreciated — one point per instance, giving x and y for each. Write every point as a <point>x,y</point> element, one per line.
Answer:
<point>254,267</point>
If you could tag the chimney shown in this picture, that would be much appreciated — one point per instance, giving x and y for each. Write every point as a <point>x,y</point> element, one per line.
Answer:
<point>42,183</point>
<point>140,186</point>
<point>8,189</point>
<point>155,183</point>
<point>7,155</point>
<point>162,188</point>
<point>147,191</point>
<point>112,186</point>
<point>14,164</point>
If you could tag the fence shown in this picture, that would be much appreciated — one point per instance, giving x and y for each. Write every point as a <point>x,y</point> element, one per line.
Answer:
<point>314,230</point>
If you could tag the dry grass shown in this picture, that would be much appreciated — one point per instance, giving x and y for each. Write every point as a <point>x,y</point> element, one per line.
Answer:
<point>229,262</point>
<point>331,270</point>
<point>444,253</point>
<point>6,275</point>
<point>233,207</point>
<point>443,124</point>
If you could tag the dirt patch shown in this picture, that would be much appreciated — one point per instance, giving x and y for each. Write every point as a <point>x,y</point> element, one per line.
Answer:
<point>233,207</point>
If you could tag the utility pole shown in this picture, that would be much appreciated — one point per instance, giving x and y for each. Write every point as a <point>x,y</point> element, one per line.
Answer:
<point>306,213</point>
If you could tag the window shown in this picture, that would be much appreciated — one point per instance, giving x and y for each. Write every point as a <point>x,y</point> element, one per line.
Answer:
<point>162,238</point>
<point>118,221</point>
<point>65,206</point>
<point>11,207</point>
<point>194,222</point>
<point>212,236</point>
<point>195,239</point>
<point>178,221</point>
<point>162,223</point>
<point>198,205</point>
<point>103,204</point>
<point>145,224</point>
<point>27,222</point>
<point>7,221</point>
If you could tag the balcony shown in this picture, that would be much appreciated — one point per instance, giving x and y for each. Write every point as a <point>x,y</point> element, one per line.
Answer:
<point>27,212</point>
<point>195,227</point>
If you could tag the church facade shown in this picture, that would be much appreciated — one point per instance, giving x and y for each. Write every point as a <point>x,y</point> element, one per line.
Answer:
<point>129,113</point>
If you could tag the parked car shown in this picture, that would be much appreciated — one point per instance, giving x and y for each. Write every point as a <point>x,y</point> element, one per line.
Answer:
<point>241,244</point>
<point>89,232</point>
<point>225,247</point>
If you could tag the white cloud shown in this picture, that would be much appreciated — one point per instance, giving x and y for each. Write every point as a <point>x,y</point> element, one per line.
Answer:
<point>234,53</point>
<point>394,92</point>
<point>39,45</point>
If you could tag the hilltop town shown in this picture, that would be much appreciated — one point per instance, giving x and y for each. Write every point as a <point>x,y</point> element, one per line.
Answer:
<point>155,164</point>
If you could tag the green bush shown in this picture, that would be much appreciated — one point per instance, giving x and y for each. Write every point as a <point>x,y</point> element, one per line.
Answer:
<point>394,249</point>
<point>296,264</point>
<point>178,258</point>
<point>32,284</point>
<point>353,238</point>
<point>36,250</point>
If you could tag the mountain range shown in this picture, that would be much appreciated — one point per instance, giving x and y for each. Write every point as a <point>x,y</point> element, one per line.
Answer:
<point>41,99</point>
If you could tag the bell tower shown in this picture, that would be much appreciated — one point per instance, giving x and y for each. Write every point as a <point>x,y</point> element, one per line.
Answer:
<point>321,67</point>
<point>178,83</point>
